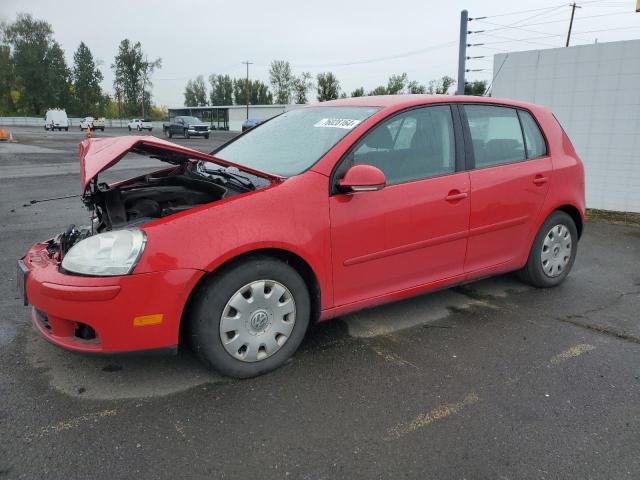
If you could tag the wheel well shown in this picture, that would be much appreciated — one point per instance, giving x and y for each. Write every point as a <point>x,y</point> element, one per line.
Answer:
<point>574,214</point>
<point>297,262</point>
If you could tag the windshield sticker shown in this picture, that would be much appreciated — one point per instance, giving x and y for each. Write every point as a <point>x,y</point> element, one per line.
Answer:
<point>345,123</point>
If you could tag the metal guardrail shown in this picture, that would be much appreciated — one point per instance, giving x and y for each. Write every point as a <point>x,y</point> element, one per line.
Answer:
<point>73,122</point>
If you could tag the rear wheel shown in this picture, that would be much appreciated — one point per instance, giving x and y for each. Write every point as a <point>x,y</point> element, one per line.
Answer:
<point>248,320</point>
<point>129,127</point>
<point>553,252</point>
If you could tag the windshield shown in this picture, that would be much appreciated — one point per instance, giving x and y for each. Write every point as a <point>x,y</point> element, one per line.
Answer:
<point>191,119</point>
<point>292,142</point>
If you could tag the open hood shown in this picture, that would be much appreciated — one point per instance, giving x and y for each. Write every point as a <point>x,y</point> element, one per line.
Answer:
<point>99,154</point>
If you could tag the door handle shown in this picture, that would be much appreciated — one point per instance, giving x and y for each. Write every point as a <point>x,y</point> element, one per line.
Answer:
<point>455,195</point>
<point>540,180</point>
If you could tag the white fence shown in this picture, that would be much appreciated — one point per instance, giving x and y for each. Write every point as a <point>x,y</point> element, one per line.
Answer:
<point>594,90</point>
<point>74,122</point>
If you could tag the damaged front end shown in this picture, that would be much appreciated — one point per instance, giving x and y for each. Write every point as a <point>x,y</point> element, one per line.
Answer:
<point>194,179</point>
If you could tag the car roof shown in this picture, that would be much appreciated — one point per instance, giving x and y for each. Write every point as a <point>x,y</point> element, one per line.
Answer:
<point>407,101</point>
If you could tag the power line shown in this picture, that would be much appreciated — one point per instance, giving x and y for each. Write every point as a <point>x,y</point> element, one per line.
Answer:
<point>502,27</point>
<point>516,13</point>
<point>379,59</point>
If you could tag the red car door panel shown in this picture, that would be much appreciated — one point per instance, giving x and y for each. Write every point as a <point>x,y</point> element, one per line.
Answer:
<point>399,237</point>
<point>504,201</point>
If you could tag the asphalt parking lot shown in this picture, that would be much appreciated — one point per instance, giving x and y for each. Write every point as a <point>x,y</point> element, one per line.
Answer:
<point>493,379</point>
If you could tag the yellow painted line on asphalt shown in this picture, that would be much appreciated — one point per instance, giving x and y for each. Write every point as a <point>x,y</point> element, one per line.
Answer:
<point>426,419</point>
<point>391,357</point>
<point>572,352</point>
<point>72,423</point>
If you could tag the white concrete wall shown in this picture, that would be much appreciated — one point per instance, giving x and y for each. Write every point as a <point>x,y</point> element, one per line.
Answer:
<point>594,91</point>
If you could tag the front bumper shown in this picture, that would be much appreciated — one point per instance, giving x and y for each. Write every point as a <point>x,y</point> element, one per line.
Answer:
<point>198,133</point>
<point>106,314</point>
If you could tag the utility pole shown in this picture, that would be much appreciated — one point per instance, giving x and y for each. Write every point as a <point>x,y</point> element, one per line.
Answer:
<point>247,63</point>
<point>462,51</point>
<point>144,82</point>
<point>573,12</point>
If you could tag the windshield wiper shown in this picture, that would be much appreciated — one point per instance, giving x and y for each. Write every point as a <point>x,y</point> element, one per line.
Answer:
<point>229,174</point>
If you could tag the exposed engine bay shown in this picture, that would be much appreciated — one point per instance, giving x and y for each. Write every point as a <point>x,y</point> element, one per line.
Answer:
<point>156,195</point>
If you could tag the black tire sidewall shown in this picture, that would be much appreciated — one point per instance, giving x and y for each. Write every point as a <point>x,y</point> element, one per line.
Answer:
<point>533,270</point>
<point>213,294</point>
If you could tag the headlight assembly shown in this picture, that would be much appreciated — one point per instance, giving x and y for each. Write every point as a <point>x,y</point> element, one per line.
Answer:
<point>106,254</point>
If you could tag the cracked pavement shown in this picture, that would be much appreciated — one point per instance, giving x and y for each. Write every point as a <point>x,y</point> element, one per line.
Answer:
<point>492,379</point>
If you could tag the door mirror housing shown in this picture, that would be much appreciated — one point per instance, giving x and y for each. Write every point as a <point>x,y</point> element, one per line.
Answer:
<point>362,178</point>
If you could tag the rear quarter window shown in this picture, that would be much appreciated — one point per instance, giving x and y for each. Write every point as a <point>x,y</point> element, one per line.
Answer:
<point>536,146</point>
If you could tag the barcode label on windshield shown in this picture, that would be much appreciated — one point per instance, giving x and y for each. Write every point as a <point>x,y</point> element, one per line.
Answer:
<point>345,123</point>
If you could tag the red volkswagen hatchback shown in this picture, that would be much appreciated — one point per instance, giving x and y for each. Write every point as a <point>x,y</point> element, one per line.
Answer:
<point>320,211</point>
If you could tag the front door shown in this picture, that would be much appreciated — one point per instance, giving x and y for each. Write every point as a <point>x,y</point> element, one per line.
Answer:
<point>414,231</point>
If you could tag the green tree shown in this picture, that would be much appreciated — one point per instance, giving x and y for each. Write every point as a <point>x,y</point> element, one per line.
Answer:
<point>358,92</point>
<point>41,74</point>
<point>301,85</point>
<point>88,98</point>
<point>7,81</point>
<point>195,93</point>
<point>281,79</point>
<point>328,86</point>
<point>132,82</point>
<point>58,77</point>
<point>221,89</point>
<point>477,87</point>
<point>259,93</point>
<point>379,90</point>
<point>396,84</point>
<point>414,87</point>
<point>441,86</point>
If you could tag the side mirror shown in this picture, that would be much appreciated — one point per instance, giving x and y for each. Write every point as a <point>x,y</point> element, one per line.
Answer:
<point>362,178</point>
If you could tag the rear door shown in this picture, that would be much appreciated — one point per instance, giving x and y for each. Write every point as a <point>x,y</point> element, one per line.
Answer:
<point>413,232</point>
<point>509,175</point>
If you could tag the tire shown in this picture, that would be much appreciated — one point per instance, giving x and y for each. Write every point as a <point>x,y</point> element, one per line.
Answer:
<point>206,136</point>
<point>550,246</point>
<point>102,129</point>
<point>139,128</point>
<point>211,300</point>
<point>170,134</point>
<point>186,134</point>
<point>66,129</point>
<point>129,126</point>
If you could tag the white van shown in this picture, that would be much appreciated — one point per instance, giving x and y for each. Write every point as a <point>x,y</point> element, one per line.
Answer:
<point>56,119</point>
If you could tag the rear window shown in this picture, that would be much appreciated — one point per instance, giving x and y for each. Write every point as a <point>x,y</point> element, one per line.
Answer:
<point>536,147</point>
<point>496,135</point>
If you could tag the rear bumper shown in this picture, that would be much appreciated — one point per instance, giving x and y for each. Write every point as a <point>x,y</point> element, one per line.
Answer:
<point>106,314</point>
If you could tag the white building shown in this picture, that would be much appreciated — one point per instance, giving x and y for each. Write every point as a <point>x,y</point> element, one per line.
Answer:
<point>594,91</point>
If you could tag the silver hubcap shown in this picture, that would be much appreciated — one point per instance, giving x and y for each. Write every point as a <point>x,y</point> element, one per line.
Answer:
<point>556,251</point>
<point>257,320</point>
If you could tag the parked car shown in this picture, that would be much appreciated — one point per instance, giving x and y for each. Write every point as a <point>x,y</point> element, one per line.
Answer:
<point>140,124</point>
<point>92,123</point>
<point>56,119</point>
<point>321,211</point>
<point>250,123</point>
<point>187,127</point>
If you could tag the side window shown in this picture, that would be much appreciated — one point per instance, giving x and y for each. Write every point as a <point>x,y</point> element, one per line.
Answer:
<point>496,135</point>
<point>415,144</point>
<point>532,135</point>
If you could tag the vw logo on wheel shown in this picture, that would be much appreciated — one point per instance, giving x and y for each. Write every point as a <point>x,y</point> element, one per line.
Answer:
<point>259,320</point>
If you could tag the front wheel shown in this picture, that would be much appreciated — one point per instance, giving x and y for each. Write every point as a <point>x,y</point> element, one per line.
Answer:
<point>206,137</point>
<point>186,134</point>
<point>553,252</point>
<point>250,319</point>
<point>129,127</point>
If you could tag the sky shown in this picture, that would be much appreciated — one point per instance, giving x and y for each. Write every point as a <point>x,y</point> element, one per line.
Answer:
<point>362,41</point>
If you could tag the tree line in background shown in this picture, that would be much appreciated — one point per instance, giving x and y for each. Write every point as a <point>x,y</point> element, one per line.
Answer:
<point>286,87</point>
<point>34,76</point>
